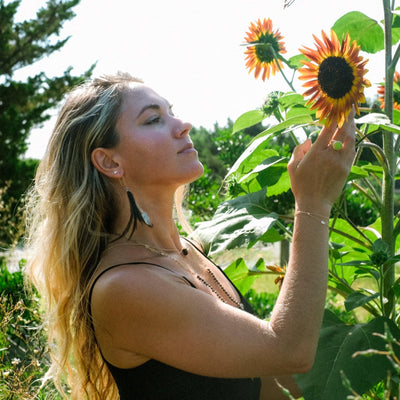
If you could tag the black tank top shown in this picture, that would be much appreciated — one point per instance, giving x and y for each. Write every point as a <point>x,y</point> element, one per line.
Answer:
<point>155,380</point>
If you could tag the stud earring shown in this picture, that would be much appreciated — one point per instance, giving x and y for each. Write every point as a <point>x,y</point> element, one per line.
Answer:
<point>115,172</point>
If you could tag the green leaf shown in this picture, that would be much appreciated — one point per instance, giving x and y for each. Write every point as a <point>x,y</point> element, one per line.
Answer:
<point>337,344</point>
<point>378,120</point>
<point>289,124</point>
<point>373,119</point>
<point>283,185</point>
<point>358,299</point>
<point>240,276</point>
<point>237,223</point>
<point>256,152</point>
<point>259,142</point>
<point>291,99</point>
<point>364,30</point>
<point>296,61</point>
<point>374,169</point>
<point>248,119</point>
<point>261,168</point>
<point>396,117</point>
<point>356,173</point>
<point>395,28</point>
<point>298,110</point>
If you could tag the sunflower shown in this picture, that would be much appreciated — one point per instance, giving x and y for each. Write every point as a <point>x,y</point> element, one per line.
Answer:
<point>335,77</point>
<point>266,45</point>
<point>396,92</point>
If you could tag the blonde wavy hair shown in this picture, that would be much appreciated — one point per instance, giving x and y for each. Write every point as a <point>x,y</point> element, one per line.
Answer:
<point>70,214</point>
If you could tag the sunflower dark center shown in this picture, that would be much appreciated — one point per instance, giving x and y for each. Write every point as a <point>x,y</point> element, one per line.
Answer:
<point>265,47</point>
<point>335,77</point>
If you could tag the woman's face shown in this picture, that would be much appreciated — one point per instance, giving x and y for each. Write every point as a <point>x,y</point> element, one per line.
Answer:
<point>154,147</point>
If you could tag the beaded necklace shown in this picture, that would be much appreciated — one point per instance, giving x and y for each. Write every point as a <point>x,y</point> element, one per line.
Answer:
<point>185,252</point>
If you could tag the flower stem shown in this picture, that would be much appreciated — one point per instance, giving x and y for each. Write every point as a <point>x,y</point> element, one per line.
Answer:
<point>388,180</point>
<point>388,148</point>
<point>379,154</point>
<point>277,59</point>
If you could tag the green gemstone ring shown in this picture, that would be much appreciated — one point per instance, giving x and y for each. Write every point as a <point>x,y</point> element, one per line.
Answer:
<point>337,145</point>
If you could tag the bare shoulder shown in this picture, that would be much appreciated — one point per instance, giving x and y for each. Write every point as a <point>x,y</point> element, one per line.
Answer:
<point>132,282</point>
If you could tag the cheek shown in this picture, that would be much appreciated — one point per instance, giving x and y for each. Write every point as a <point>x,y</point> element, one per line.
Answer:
<point>150,159</point>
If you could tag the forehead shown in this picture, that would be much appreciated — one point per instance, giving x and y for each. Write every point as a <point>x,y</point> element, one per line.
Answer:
<point>139,96</point>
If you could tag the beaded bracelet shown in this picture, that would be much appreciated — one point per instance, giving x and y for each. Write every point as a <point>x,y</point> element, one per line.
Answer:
<point>322,219</point>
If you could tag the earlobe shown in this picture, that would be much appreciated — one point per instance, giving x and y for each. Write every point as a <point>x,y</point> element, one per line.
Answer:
<point>103,161</point>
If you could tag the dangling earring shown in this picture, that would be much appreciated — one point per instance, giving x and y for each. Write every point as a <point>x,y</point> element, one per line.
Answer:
<point>138,214</point>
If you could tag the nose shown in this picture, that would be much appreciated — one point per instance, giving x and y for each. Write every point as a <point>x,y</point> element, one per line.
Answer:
<point>182,128</point>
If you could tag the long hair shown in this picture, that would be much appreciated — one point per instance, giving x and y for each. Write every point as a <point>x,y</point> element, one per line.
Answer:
<point>70,216</point>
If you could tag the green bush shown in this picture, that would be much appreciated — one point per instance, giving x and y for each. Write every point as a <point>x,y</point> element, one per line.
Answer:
<point>23,349</point>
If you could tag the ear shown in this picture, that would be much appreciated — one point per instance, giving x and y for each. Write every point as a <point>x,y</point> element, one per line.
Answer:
<point>102,159</point>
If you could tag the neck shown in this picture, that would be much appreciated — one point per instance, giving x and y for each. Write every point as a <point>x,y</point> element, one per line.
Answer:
<point>159,207</point>
<point>163,237</point>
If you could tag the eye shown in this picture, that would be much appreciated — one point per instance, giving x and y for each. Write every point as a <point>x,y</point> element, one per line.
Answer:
<point>153,120</point>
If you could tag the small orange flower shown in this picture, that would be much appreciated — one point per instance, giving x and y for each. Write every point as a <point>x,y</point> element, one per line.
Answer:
<point>279,270</point>
<point>265,46</point>
<point>335,77</point>
<point>396,92</point>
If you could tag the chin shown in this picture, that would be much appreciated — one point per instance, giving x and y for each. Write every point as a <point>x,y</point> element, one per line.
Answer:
<point>196,173</point>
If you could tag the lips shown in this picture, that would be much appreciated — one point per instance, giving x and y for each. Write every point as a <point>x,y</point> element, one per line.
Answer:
<point>187,148</point>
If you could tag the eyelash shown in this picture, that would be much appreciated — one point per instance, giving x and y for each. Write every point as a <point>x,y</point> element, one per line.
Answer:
<point>154,120</point>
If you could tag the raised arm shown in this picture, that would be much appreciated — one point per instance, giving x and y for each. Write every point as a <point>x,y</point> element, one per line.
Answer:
<point>318,173</point>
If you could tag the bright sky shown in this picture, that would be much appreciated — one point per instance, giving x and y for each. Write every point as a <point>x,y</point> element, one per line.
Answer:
<point>189,51</point>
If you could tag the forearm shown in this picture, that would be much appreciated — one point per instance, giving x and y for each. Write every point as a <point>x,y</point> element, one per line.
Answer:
<point>300,304</point>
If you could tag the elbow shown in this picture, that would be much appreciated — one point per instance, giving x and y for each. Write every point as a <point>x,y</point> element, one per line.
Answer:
<point>302,366</point>
<point>301,361</point>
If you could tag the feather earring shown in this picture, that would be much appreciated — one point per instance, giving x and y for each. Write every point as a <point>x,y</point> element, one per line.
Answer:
<point>136,213</point>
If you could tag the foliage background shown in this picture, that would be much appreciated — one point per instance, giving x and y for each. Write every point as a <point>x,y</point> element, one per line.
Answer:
<point>355,307</point>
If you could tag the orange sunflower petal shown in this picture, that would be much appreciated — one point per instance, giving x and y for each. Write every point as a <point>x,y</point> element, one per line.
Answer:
<point>259,56</point>
<point>396,92</point>
<point>334,76</point>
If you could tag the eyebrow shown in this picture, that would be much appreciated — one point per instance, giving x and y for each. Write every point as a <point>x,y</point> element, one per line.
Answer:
<point>149,106</point>
<point>152,107</point>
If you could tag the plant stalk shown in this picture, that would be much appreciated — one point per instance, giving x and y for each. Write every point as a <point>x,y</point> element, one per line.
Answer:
<point>387,211</point>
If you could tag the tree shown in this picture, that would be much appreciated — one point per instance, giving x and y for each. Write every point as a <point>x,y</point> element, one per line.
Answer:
<point>24,105</point>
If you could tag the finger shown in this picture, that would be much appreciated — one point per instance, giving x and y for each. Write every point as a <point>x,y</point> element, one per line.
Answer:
<point>326,135</point>
<point>347,131</point>
<point>299,153</point>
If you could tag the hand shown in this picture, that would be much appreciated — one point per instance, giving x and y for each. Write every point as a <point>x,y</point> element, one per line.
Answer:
<point>318,172</point>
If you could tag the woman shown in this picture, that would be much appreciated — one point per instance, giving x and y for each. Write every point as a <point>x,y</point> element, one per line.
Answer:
<point>131,302</point>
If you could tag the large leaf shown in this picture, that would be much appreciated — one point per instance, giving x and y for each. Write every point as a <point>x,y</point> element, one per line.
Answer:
<point>254,154</point>
<point>275,179</point>
<point>337,344</point>
<point>259,143</point>
<point>358,299</point>
<point>378,120</point>
<point>248,119</point>
<point>237,223</point>
<point>364,30</point>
